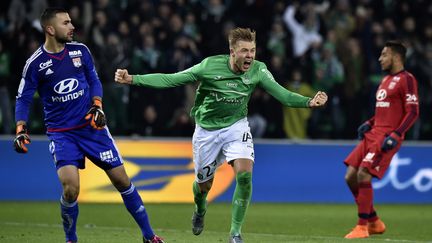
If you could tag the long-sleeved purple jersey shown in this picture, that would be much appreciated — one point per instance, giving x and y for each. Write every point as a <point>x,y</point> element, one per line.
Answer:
<point>66,82</point>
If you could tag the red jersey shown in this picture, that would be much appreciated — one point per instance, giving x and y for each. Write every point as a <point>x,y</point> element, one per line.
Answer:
<point>397,104</point>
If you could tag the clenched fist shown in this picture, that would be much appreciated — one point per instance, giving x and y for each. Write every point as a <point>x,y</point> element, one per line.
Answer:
<point>122,76</point>
<point>319,99</point>
<point>96,115</point>
<point>22,138</point>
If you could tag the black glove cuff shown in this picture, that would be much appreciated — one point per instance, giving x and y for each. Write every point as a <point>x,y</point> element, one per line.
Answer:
<point>397,133</point>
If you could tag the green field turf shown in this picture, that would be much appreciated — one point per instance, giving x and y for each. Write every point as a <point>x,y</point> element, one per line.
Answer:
<point>22,222</point>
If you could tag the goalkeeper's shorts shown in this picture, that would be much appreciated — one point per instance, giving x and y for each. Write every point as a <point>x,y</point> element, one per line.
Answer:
<point>72,146</point>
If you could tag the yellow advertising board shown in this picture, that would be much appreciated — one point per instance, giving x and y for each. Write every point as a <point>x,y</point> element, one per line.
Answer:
<point>156,181</point>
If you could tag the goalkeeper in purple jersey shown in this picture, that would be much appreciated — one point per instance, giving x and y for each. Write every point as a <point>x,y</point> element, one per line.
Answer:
<point>222,131</point>
<point>64,75</point>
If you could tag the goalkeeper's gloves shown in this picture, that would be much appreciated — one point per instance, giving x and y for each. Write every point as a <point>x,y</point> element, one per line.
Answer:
<point>97,116</point>
<point>362,129</point>
<point>21,139</point>
<point>390,141</point>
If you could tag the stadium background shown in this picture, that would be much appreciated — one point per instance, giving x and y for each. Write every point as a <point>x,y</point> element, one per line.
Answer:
<point>338,54</point>
<point>168,36</point>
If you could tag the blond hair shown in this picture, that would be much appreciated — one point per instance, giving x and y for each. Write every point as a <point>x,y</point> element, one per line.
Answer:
<point>240,34</point>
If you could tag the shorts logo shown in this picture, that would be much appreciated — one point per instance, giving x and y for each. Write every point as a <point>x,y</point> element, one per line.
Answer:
<point>369,157</point>
<point>52,150</point>
<point>107,155</point>
<point>246,137</point>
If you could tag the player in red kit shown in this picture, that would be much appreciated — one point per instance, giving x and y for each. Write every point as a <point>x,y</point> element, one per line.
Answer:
<point>396,109</point>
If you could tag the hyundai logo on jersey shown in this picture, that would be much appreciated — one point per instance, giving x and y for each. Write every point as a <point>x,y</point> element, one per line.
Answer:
<point>381,94</point>
<point>66,86</point>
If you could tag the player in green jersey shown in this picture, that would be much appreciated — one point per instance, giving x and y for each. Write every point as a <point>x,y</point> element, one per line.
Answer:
<point>222,131</point>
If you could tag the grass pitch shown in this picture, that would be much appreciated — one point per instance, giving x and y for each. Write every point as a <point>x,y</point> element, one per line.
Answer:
<point>22,222</point>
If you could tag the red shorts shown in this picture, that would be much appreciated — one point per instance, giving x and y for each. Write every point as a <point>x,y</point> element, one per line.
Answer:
<point>368,154</point>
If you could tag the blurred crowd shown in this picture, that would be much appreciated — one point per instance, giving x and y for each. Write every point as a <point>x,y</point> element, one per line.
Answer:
<point>330,45</point>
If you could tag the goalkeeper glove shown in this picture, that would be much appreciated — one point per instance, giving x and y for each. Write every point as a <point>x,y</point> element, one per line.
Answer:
<point>390,141</point>
<point>362,129</point>
<point>97,116</point>
<point>21,139</point>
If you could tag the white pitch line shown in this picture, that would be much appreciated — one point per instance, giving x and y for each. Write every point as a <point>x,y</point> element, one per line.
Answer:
<point>44,225</point>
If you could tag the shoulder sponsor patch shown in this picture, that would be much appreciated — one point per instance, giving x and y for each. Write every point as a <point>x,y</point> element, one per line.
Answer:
<point>76,53</point>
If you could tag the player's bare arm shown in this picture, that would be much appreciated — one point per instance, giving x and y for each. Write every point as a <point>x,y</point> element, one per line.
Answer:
<point>318,100</point>
<point>122,76</point>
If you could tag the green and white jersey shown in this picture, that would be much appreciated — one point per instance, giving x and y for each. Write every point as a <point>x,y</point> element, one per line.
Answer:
<point>222,96</point>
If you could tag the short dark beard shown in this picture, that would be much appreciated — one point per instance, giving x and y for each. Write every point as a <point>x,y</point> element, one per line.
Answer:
<point>389,68</point>
<point>62,40</point>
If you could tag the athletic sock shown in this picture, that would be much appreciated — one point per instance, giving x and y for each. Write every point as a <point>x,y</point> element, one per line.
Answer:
<point>240,202</point>
<point>69,214</point>
<point>135,206</point>
<point>355,192</point>
<point>373,216</point>
<point>200,199</point>
<point>365,199</point>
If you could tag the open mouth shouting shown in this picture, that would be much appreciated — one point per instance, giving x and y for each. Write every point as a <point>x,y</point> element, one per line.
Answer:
<point>246,64</point>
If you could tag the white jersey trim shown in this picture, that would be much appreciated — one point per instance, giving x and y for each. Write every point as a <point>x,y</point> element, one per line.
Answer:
<point>29,61</point>
<point>79,44</point>
<point>33,57</point>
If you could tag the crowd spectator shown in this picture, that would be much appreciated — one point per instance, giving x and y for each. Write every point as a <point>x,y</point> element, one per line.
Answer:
<point>304,35</point>
<point>332,43</point>
<point>295,121</point>
<point>5,102</point>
